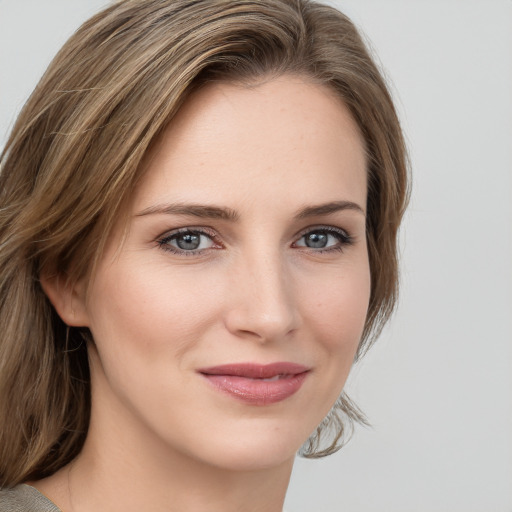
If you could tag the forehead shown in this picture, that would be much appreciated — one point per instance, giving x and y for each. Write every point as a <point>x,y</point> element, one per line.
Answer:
<point>281,136</point>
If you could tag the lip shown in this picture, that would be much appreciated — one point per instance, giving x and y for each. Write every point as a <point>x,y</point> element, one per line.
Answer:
<point>257,384</point>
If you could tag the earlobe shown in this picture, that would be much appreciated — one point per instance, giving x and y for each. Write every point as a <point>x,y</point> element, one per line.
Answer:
<point>67,298</point>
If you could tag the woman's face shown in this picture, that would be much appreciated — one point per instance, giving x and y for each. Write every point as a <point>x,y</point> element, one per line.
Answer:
<point>226,321</point>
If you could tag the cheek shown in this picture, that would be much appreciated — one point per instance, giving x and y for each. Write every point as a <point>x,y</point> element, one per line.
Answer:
<point>146,329</point>
<point>152,315</point>
<point>335,315</point>
<point>338,309</point>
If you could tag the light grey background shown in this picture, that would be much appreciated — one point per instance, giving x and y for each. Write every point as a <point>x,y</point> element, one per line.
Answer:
<point>437,386</point>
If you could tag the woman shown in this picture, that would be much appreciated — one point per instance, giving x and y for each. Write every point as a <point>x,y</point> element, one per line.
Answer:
<point>200,204</point>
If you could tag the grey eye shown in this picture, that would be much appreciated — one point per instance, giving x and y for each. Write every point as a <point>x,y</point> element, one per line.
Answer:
<point>316,239</point>
<point>187,241</point>
<point>331,238</point>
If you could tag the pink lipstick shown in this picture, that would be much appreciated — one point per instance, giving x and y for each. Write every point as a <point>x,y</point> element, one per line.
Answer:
<point>257,384</point>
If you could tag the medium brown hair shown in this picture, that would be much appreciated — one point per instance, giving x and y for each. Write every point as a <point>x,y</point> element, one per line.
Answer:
<point>73,159</point>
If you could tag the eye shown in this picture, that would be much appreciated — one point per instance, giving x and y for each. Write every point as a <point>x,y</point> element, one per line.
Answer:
<point>187,241</point>
<point>324,239</point>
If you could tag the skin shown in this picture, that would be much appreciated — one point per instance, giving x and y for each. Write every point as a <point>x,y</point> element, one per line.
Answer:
<point>161,437</point>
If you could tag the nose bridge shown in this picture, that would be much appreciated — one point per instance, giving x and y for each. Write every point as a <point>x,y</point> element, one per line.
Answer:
<point>265,305</point>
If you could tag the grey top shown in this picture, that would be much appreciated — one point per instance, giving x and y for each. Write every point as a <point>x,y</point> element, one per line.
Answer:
<point>24,498</point>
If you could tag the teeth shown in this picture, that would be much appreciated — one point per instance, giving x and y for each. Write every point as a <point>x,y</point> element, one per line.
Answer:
<point>271,379</point>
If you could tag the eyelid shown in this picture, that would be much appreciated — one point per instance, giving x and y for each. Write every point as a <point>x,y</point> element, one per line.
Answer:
<point>203,230</point>
<point>324,227</point>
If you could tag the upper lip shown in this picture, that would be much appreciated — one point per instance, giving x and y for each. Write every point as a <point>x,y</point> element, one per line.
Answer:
<point>254,370</point>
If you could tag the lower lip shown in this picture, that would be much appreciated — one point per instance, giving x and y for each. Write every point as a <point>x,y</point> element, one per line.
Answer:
<point>257,391</point>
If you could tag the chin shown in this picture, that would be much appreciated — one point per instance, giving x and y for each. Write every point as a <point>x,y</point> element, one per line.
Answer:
<point>263,446</point>
<point>252,458</point>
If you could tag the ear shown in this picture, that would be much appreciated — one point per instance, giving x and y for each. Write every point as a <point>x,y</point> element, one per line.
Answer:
<point>67,298</point>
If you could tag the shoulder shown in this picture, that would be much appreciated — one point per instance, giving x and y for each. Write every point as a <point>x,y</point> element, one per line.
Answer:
<point>24,498</point>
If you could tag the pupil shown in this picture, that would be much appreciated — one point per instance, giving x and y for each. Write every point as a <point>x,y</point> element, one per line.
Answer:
<point>188,241</point>
<point>316,240</point>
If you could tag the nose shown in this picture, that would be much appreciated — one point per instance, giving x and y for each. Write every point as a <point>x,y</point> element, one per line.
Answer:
<point>262,305</point>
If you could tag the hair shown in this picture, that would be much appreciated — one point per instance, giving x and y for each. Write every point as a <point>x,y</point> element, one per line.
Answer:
<point>74,158</point>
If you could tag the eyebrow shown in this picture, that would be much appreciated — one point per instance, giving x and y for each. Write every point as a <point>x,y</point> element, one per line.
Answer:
<point>223,213</point>
<point>192,210</point>
<point>327,208</point>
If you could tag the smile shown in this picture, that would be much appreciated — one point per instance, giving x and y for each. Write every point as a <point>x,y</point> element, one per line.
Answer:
<point>257,384</point>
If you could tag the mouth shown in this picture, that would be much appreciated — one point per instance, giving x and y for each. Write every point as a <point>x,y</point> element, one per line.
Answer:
<point>257,384</point>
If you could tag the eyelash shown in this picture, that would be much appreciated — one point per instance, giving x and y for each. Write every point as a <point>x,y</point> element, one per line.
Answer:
<point>164,242</point>
<point>344,240</point>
